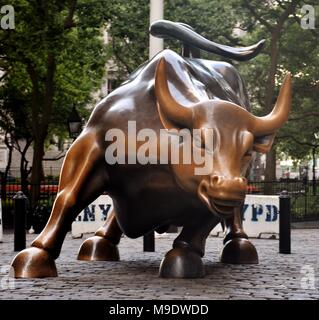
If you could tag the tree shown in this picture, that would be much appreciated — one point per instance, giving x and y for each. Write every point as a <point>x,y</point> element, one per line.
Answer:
<point>279,22</point>
<point>297,138</point>
<point>16,132</point>
<point>16,137</point>
<point>57,57</point>
<point>273,20</point>
<point>128,24</point>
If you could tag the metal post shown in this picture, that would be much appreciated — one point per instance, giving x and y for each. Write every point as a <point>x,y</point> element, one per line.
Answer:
<point>314,170</point>
<point>149,242</point>
<point>306,197</point>
<point>284,223</point>
<point>20,210</point>
<point>156,45</point>
<point>156,13</point>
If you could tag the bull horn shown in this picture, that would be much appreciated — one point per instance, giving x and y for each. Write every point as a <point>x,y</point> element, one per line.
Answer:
<point>279,115</point>
<point>170,109</point>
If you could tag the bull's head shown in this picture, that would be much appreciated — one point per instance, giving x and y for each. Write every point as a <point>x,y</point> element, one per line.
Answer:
<point>237,135</point>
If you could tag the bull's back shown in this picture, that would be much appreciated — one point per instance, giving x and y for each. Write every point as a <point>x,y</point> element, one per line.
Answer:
<point>190,81</point>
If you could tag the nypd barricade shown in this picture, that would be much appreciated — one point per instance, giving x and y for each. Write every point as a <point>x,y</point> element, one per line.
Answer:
<point>260,217</point>
<point>92,217</point>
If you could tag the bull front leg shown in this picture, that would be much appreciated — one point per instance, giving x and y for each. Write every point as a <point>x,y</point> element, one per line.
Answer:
<point>83,179</point>
<point>185,259</point>
<point>103,245</point>
<point>237,248</point>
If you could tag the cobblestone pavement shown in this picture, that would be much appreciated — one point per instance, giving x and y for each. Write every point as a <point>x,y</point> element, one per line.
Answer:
<point>136,275</point>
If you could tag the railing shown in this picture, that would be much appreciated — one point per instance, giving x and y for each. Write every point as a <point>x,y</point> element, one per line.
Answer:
<point>304,196</point>
<point>304,201</point>
<point>38,216</point>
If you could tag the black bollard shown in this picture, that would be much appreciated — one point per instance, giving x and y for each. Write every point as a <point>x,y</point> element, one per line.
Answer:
<point>284,223</point>
<point>20,211</point>
<point>149,242</point>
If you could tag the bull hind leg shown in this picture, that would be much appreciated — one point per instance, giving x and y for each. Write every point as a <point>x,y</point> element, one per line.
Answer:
<point>83,179</point>
<point>103,245</point>
<point>185,259</point>
<point>237,248</point>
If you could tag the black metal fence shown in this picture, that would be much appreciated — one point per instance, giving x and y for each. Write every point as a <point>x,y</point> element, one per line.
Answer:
<point>40,214</point>
<point>304,196</point>
<point>304,199</point>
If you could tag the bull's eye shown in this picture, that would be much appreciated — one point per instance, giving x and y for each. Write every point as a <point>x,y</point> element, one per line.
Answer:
<point>248,154</point>
<point>247,144</point>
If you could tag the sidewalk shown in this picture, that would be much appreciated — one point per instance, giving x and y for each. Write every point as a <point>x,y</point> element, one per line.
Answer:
<point>136,276</point>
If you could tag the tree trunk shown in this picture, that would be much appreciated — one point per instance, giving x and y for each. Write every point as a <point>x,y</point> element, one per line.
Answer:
<point>24,171</point>
<point>270,171</point>
<point>37,171</point>
<point>4,176</point>
<point>6,211</point>
<point>41,121</point>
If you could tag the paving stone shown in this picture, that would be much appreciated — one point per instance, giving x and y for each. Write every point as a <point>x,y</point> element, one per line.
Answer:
<point>136,275</point>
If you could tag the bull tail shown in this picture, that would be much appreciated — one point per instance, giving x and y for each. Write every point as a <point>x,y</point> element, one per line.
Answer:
<point>184,33</point>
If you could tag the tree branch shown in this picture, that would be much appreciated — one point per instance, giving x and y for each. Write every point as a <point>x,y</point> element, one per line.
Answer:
<point>287,12</point>
<point>288,136</point>
<point>259,17</point>
<point>3,76</point>
<point>69,23</point>
<point>118,57</point>
<point>49,89</point>
<point>310,114</point>
<point>58,157</point>
<point>35,94</point>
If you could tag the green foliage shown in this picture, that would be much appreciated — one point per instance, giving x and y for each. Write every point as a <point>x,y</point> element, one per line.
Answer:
<point>79,58</point>
<point>298,54</point>
<point>80,55</point>
<point>128,24</point>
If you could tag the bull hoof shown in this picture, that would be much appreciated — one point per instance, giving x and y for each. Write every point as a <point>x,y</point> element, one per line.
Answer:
<point>239,251</point>
<point>34,263</point>
<point>98,249</point>
<point>181,263</point>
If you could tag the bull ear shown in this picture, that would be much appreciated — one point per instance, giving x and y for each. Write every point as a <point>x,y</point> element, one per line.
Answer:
<point>263,144</point>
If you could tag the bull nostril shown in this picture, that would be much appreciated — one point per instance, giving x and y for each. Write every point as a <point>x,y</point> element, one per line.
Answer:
<point>214,180</point>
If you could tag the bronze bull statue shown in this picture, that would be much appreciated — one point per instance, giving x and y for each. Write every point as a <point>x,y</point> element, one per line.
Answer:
<point>168,92</point>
